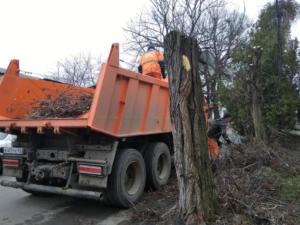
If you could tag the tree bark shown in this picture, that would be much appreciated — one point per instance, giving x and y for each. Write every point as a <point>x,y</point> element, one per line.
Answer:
<point>197,200</point>
<point>258,123</point>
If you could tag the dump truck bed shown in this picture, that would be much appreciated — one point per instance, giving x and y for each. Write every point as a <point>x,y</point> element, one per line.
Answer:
<point>124,104</point>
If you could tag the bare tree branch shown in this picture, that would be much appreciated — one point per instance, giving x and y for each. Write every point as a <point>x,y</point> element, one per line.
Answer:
<point>80,70</point>
<point>209,21</point>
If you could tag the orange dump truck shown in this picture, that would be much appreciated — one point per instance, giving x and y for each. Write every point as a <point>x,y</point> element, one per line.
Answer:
<point>112,152</point>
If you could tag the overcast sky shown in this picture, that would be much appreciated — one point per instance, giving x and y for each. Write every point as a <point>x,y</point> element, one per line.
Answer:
<point>41,32</point>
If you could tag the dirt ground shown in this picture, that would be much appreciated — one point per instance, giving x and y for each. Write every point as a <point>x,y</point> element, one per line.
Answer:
<point>155,207</point>
<point>255,185</point>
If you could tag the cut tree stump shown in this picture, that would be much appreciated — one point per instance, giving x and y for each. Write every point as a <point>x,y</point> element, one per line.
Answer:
<point>197,198</point>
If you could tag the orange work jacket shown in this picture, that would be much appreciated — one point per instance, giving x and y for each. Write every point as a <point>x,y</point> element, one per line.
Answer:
<point>212,143</point>
<point>150,66</point>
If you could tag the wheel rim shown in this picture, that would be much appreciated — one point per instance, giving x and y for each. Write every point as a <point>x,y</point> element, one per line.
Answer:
<point>162,166</point>
<point>133,178</point>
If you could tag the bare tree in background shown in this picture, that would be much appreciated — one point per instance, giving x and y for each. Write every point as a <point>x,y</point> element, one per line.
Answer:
<point>80,70</point>
<point>216,29</point>
<point>164,16</point>
<point>222,30</point>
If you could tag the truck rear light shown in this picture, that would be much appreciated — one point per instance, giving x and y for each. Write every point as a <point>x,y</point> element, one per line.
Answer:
<point>15,163</point>
<point>90,170</point>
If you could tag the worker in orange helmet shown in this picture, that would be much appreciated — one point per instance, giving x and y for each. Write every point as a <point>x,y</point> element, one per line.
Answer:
<point>152,63</point>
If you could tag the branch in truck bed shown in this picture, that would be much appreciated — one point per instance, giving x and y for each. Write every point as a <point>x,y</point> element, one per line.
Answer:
<point>64,105</point>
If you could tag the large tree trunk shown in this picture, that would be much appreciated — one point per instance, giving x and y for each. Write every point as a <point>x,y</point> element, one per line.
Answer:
<point>258,123</point>
<point>197,198</point>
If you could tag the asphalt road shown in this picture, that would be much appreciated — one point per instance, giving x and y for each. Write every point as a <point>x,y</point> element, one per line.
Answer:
<point>19,208</point>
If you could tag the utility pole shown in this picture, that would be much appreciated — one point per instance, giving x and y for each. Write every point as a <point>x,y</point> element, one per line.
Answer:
<point>278,39</point>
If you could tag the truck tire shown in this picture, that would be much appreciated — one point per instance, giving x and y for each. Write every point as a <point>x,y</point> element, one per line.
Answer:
<point>127,181</point>
<point>158,165</point>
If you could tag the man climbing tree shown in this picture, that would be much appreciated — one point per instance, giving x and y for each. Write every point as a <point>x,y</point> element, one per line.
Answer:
<point>197,199</point>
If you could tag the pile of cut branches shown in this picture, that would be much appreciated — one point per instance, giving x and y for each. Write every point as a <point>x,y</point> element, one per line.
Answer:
<point>249,183</point>
<point>62,106</point>
<point>249,179</point>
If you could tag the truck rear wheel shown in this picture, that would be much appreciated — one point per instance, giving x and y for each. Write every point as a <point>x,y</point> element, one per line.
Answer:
<point>128,178</point>
<point>158,165</point>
